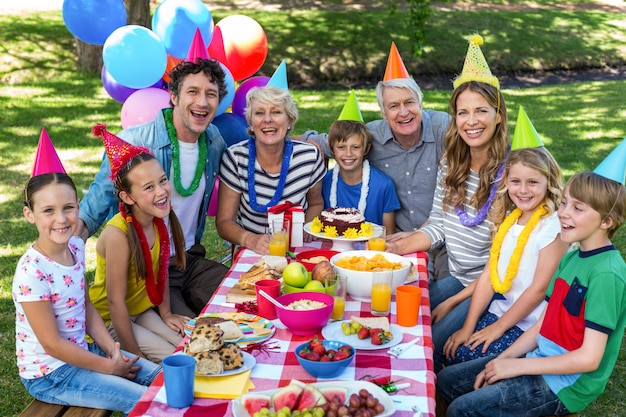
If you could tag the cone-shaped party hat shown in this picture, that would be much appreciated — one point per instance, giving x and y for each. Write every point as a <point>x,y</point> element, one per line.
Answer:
<point>46,161</point>
<point>475,67</point>
<point>351,109</point>
<point>525,135</point>
<point>118,150</point>
<point>614,165</point>
<point>279,78</point>
<point>395,65</point>
<point>197,49</point>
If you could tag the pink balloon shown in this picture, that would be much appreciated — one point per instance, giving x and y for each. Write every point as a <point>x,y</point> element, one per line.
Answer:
<point>143,105</point>
<point>239,101</point>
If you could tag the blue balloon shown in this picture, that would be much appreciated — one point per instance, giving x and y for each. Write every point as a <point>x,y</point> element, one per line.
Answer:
<point>233,127</point>
<point>134,56</point>
<point>230,88</point>
<point>175,22</point>
<point>92,21</point>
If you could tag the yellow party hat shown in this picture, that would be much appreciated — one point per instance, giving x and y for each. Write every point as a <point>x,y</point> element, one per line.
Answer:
<point>475,67</point>
<point>525,135</point>
<point>351,109</point>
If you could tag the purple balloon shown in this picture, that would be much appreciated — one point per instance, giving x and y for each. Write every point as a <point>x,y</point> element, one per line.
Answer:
<point>239,101</point>
<point>117,91</point>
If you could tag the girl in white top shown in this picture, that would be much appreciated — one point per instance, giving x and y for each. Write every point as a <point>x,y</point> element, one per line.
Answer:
<point>509,295</point>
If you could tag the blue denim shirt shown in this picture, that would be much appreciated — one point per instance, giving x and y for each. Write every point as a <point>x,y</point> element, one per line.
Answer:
<point>101,203</point>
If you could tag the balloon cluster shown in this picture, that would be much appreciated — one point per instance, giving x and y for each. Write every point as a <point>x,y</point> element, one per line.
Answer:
<point>137,60</point>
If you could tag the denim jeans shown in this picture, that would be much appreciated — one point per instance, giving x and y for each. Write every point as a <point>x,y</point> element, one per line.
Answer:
<point>524,396</point>
<point>71,385</point>
<point>440,291</point>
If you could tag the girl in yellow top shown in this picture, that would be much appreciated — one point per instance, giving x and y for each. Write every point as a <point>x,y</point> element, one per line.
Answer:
<point>130,290</point>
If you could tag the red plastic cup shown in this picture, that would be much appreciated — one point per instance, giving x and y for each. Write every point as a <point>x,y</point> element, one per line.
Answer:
<point>264,306</point>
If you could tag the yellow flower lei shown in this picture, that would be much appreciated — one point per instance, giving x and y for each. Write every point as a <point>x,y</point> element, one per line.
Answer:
<point>511,270</point>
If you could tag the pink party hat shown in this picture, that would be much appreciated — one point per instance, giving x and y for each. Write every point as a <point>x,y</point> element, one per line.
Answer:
<point>118,150</point>
<point>279,78</point>
<point>614,165</point>
<point>395,65</point>
<point>198,49</point>
<point>46,161</point>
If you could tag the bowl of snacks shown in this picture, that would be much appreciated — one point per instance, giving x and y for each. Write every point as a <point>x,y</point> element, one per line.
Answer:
<point>310,258</point>
<point>359,266</point>
<point>306,312</point>
<point>324,358</point>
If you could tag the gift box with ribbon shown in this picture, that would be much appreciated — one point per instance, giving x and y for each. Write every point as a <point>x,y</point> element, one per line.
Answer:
<point>295,214</point>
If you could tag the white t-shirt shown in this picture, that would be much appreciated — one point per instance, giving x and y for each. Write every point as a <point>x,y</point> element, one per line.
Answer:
<point>544,233</point>
<point>39,278</point>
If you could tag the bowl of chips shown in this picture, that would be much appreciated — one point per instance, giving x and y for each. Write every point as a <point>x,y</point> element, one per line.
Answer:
<point>359,266</point>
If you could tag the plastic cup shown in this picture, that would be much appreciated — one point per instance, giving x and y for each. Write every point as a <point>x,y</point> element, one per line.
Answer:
<point>179,372</point>
<point>264,306</point>
<point>339,308</point>
<point>408,300</point>
<point>381,292</point>
<point>378,242</point>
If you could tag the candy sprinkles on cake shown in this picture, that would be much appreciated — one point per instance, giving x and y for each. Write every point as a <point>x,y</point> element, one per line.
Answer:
<point>342,222</point>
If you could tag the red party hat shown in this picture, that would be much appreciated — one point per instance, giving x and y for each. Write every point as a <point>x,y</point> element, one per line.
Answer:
<point>197,49</point>
<point>118,150</point>
<point>46,161</point>
<point>395,66</point>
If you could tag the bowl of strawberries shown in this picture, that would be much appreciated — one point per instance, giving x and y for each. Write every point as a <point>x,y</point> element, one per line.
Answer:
<point>324,358</point>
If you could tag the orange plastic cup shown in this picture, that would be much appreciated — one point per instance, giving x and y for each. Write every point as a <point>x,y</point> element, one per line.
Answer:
<point>408,300</point>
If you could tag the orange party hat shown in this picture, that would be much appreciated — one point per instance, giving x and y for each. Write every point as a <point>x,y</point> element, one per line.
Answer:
<point>118,150</point>
<point>395,66</point>
<point>198,49</point>
<point>46,161</point>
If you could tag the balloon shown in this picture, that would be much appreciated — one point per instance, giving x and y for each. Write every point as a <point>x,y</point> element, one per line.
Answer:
<point>92,21</point>
<point>143,105</point>
<point>230,88</point>
<point>134,56</point>
<point>172,61</point>
<point>175,22</point>
<point>232,127</point>
<point>240,43</point>
<point>239,102</point>
<point>117,91</point>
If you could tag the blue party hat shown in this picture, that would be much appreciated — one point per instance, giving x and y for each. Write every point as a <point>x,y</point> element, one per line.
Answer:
<point>614,165</point>
<point>279,78</point>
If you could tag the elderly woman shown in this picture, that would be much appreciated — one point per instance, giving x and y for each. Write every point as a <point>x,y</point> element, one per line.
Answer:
<point>266,170</point>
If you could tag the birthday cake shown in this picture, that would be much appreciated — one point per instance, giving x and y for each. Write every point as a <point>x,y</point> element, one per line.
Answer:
<point>342,219</point>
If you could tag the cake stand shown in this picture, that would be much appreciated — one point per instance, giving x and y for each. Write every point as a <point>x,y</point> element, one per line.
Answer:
<point>340,243</point>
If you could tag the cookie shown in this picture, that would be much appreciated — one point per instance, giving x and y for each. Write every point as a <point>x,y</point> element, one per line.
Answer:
<point>205,338</point>
<point>231,356</point>
<point>208,363</point>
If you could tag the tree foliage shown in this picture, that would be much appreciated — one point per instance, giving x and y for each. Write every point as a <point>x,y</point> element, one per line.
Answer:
<point>419,12</point>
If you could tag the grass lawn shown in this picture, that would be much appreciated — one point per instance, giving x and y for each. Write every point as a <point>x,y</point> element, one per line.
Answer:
<point>580,123</point>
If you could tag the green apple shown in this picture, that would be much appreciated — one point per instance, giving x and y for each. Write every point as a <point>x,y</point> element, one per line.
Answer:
<point>315,286</point>
<point>296,275</point>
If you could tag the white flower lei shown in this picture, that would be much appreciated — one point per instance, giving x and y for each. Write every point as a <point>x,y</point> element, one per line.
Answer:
<point>365,180</point>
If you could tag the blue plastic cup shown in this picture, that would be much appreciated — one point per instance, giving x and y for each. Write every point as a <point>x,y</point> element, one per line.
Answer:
<point>179,371</point>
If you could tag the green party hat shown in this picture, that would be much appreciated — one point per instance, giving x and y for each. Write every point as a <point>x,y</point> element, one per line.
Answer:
<point>525,135</point>
<point>614,165</point>
<point>351,109</point>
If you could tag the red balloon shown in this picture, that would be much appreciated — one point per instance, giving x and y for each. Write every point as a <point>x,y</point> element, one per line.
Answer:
<point>240,43</point>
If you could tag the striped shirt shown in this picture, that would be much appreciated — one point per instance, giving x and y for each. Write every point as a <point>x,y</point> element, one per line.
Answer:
<point>468,247</point>
<point>306,168</point>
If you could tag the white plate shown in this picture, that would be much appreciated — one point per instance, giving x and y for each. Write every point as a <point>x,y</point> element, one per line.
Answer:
<point>353,387</point>
<point>377,231</point>
<point>333,332</point>
<point>248,362</point>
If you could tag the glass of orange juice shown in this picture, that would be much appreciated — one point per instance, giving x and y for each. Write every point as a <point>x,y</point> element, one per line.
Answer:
<point>278,242</point>
<point>340,286</point>
<point>282,224</point>
<point>377,242</point>
<point>381,292</point>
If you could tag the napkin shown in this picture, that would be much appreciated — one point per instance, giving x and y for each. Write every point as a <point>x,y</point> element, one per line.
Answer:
<point>222,387</point>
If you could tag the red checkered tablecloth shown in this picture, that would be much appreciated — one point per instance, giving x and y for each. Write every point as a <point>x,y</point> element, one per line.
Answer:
<point>280,366</point>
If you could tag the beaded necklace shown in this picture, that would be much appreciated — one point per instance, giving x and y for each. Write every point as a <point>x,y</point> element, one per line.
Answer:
<point>202,148</point>
<point>494,255</point>
<point>284,170</point>
<point>364,187</point>
<point>154,289</point>
<point>482,213</point>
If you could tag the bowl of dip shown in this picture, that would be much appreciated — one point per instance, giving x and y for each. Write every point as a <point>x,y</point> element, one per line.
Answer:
<point>306,313</point>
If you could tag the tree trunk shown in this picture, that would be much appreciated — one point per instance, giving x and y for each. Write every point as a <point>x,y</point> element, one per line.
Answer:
<point>90,56</point>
